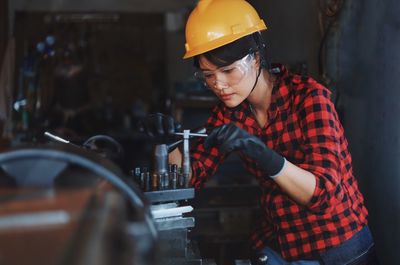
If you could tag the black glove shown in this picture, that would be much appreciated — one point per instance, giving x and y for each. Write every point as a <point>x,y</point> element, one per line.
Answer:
<point>229,137</point>
<point>159,126</point>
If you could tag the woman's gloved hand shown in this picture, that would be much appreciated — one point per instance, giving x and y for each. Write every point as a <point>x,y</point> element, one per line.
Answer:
<point>229,137</point>
<point>159,126</point>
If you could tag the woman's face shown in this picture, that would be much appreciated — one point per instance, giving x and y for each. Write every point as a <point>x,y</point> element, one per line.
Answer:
<point>232,84</point>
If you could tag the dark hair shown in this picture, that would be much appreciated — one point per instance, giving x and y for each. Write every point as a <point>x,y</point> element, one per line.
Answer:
<point>236,50</point>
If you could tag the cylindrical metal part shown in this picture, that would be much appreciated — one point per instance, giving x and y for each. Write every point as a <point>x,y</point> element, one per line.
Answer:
<point>147,181</point>
<point>160,181</point>
<point>181,180</point>
<point>136,175</point>
<point>160,159</point>
<point>186,158</point>
<point>143,176</point>
<point>142,181</point>
<point>166,181</point>
<point>154,181</point>
<point>173,176</point>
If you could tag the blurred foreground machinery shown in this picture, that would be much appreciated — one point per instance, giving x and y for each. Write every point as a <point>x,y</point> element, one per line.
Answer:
<point>61,204</point>
<point>166,187</point>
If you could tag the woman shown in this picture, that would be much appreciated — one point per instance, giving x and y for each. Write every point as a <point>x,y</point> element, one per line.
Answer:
<point>287,132</point>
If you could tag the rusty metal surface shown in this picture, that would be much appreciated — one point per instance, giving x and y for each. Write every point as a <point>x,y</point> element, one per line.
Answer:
<point>46,240</point>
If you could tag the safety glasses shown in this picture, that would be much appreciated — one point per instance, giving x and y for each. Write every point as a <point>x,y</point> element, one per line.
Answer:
<point>230,75</point>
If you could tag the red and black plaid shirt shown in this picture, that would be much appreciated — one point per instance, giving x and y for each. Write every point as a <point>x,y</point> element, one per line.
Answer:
<point>302,126</point>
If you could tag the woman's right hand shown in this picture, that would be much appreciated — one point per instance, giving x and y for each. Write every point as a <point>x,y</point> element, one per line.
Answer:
<point>159,126</point>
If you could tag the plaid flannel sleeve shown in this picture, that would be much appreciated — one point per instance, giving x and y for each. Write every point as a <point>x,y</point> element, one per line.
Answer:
<point>205,162</point>
<point>322,143</point>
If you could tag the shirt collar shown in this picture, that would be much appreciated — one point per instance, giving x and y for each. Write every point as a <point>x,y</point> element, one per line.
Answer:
<point>281,92</point>
<point>281,89</point>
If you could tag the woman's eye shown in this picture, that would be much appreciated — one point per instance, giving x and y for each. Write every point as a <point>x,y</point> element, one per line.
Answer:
<point>228,70</point>
<point>208,75</point>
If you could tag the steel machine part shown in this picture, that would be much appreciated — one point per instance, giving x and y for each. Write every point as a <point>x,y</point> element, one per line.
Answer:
<point>186,159</point>
<point>105,209</point>
<point>169,189</point>
<point>161,169</point>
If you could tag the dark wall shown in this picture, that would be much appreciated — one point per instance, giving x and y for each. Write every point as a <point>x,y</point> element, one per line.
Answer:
<point>293,33</point>
<point>3,39</point>
<point>3,28</point>
<point>365,67</point>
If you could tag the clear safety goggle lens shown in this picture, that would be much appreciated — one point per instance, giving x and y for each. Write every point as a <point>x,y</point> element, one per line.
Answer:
<point>231,74</point>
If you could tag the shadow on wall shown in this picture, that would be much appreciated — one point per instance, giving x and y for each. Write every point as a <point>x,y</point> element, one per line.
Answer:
<point>367,62</point>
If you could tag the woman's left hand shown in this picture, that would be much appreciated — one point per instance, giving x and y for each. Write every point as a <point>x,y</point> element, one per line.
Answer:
<point>229,137</point>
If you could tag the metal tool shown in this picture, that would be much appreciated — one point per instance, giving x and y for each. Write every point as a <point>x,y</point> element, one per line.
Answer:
<point>173,175</point>
<point>186,158</point>
<point>160,161</point>
<point>192,134</point>
<point>59,139</point>
<point>135,174</point>
<point>160,164</point>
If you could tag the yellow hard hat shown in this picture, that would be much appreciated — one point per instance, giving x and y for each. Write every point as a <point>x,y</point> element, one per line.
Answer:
<point>214,23</point>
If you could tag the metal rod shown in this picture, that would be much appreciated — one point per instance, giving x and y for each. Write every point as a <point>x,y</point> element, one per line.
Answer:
<point>193,134</point>
<point>186,158</point>
<point>57,138</point>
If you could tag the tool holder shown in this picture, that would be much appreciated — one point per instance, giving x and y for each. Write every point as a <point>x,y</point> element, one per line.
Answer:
<point>162,170</point>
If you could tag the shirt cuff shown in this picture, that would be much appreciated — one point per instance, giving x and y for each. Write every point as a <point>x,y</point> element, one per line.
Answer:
<point>280,171</point>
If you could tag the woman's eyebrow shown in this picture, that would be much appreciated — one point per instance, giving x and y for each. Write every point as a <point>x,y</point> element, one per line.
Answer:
<point>207,69</point>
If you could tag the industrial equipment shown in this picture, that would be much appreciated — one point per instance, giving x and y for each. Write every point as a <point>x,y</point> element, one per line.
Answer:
<point>167,189</point>
<point>71,204</point>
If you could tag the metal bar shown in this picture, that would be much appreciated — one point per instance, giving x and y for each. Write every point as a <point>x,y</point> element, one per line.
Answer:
<point>59,139</point>
<point>169,195</point>
<point>56,138</point>
<point>32,220</point>
<point>186,158</point>
<point>193,134</point>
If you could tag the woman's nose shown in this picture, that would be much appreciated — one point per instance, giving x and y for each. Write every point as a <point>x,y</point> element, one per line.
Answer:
<point>220,81</point>
<point>220,85</point>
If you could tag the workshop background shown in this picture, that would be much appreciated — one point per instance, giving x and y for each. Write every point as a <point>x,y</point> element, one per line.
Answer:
<point>80,68</point>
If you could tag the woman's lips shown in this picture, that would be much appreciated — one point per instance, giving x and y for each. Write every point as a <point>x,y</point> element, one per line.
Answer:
<point>226,97</point>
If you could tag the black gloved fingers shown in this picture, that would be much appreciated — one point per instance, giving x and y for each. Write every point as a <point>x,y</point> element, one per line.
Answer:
<point>221,135</point>
<point>149,126</point>
<point>144,126</point>
<point>168,125</point>
<point>211,138</point>
<point>158,125</point>
<point>178,126</point>
<point>229,137</point>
